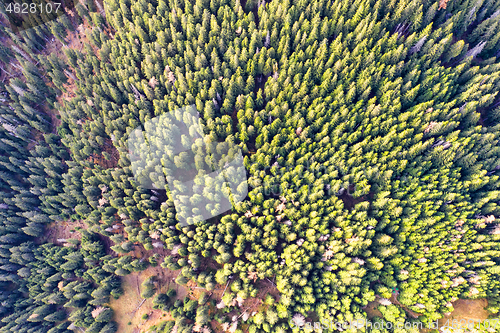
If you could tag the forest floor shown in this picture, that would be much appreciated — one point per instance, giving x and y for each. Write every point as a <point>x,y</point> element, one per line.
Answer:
<point>130,308</point>
<point>61,230</point>
<point>468,309</point>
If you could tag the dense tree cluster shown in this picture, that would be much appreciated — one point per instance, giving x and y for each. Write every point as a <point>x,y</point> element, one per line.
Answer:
<point>45,288</point>
<point>189,315</point>
<point>369,130</point>
<point>54,281</point>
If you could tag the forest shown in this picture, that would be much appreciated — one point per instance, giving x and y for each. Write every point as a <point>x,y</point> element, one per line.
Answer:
<point>369,134</point>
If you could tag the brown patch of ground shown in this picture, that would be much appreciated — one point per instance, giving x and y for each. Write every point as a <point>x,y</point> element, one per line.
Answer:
<point>372,311</point>
<point>61,230</point>
<point>75,40</point>
<point>349,201</point>
<point>53,46</point>
<point>468,309</point>
<point>109,148</point>
<point>250,305</point>
<point>209,264</point>
<point>68,91</point>
<point>127,306</point>
<point>140,252</point>
<point>266,287</point>
<point>52,113</point>
<point>130,306</point>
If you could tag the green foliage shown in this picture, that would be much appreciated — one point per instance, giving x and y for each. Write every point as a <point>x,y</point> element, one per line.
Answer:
<point>370,135</point>
<point>51,292</point>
